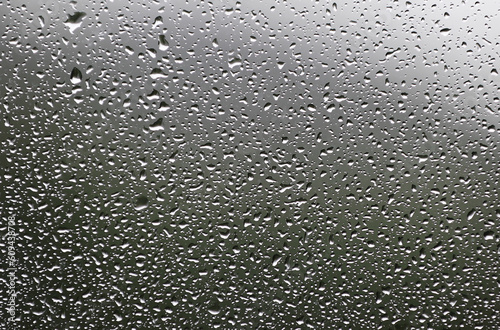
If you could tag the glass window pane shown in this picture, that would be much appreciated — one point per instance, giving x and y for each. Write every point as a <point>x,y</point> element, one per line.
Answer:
<point>250,164</point>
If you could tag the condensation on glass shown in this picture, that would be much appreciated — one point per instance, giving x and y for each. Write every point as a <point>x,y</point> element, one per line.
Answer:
<point>251,164</point>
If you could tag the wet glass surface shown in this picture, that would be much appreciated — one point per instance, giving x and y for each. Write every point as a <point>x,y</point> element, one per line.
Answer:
<point>250,165</point>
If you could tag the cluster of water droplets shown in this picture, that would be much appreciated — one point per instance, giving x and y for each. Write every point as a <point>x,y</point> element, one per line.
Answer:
<point>256,165</point>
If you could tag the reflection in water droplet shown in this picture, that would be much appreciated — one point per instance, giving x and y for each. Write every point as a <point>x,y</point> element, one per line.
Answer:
<point>141,203</point>
<point>76,76</point>
<point>75,21</point>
